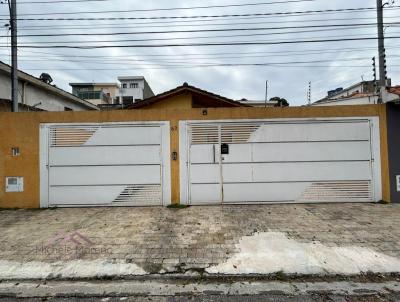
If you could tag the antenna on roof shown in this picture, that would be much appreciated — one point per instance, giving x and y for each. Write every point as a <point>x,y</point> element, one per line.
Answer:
<point>266,93</point>
<point>309,93</point>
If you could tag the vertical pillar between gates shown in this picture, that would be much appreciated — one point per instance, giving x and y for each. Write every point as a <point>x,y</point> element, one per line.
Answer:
<point>383,126</point>
<point>175,186</point>
<point>393,139</point>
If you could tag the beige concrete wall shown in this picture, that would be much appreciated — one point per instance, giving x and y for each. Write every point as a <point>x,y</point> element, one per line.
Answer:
<point>22,130</point>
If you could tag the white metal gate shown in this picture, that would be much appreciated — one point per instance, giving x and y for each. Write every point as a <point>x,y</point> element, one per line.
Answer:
<point>318,160</point>
<point>113,164</point>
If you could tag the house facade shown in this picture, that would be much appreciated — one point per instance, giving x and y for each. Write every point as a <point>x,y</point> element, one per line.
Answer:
<point>194,147</point>
<point>363,93</point>
<point>35,94</point>
<point>133,89</point>
<point>111,96</point>
<point>96,93</point>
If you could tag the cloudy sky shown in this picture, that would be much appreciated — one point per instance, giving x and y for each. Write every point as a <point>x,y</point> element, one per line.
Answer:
<point>235,71</point>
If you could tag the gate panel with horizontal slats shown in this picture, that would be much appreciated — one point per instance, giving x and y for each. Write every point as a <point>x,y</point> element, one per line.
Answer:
<point>107,164</point>
<point>328,160</point>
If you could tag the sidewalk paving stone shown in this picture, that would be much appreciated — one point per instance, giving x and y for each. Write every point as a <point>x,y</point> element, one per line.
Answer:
<point>196,236</point>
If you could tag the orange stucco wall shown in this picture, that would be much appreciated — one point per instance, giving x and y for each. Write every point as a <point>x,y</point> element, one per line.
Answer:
<point>182,101</point>
<point>22,130</point>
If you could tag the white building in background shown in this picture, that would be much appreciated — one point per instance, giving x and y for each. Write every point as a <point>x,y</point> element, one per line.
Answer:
<point>359,94</point>
<point>132,89</point>
<point>362,93</point>
<point>260,104</point>
<point>96,93</point>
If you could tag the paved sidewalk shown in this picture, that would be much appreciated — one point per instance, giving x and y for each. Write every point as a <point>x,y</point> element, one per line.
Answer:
<point>227,239</point>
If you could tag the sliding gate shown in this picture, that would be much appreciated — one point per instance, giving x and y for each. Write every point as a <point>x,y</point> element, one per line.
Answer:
<point>105,164</point>
<point>318,160</point>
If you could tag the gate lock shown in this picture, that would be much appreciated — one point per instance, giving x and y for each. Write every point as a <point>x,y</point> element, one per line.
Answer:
<point>224,149</point>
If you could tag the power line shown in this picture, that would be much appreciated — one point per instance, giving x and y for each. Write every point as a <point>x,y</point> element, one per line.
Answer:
<point>359,9</point>
<point>206,55</point>
<point>130,62</point>
<point>287,52</point>
<point>60,1</point>
<point>208,66</point>
<point>177,23</point>
<point>168,9</point>
<point>89,27</point>
<point>204,44</point>
<point>202,30</point>
<point>201,37</point>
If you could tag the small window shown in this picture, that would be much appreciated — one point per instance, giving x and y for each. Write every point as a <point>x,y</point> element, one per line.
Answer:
<point>134,85</point>
<point>124,86</point>
<point>67,109</point>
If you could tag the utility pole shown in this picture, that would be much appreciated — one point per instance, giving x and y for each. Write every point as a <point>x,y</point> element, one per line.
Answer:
<point>266,93</point>
<point>14,60</point>
<point>381,50</point>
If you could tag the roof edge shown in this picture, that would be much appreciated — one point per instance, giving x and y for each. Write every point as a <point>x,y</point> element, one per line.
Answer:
<point>35,81</point>
<point>181,89</point>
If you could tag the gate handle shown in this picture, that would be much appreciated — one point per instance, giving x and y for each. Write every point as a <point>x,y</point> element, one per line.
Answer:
<point>214,153</point>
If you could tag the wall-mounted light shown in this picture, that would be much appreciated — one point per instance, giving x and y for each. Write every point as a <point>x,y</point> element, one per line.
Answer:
<point>205,112</point>
<point>174,155</point>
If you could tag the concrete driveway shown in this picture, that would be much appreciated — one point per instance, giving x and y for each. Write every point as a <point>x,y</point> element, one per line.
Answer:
<point>325,239</point>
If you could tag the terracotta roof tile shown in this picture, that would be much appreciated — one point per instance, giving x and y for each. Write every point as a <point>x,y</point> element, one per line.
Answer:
<point>394,90</point>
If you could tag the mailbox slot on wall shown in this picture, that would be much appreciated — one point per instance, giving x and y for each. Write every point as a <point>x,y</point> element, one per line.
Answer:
<point>224,149</point>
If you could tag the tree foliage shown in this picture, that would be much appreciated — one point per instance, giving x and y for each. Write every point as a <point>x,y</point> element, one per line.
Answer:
<point>281,102</point>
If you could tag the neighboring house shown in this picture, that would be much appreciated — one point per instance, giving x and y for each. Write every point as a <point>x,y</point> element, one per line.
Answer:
<point>358,94</point>
<point>133,89</point>
<point>111,96</point>
<point>35,94</point>
<point>353,99</point>
<point>96,93</point>
<point>186,97</point>
<point>362,93</point>
<point>5,106</point>
<point>393,94</point>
